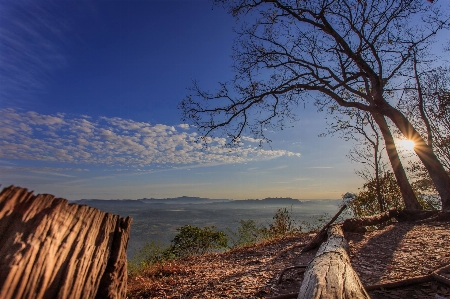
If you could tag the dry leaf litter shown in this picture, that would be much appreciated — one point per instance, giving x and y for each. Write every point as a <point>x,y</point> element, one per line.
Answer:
<point>396,252</point>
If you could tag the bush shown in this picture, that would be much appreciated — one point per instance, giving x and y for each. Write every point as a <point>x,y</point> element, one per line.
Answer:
<point>249,232</point>
<point>193,240</point>
<point>366,204</point>
<point>150,254</point>
<point>283,225</point>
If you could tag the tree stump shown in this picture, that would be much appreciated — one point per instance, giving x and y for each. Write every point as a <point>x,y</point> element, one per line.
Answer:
<point>330,274</point>
<point>53,249</point>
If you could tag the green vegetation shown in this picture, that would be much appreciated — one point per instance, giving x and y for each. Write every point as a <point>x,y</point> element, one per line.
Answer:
<point>192,240</point>
<point>282,225</point>
<point>249,232</point>
<point>365,203</point>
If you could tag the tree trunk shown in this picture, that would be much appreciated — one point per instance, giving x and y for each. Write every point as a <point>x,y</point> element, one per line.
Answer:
<point>409,198</point>
<point>330,274</point>
<point>438,175</point>
<point>53,249</point>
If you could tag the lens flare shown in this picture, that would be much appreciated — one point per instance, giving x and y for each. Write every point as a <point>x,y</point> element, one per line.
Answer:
<point>408,144</point>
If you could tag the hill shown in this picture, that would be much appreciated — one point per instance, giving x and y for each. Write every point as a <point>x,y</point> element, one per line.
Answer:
<point>192,200</point>
<point>398,251</point>
<point>183,200</point>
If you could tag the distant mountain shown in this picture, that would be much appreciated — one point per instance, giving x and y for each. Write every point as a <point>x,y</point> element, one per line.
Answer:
<point>283,200</point>
<point>190,200</point>
<point>183,200</point>
<point>270,201</point>
<point>107,201</point>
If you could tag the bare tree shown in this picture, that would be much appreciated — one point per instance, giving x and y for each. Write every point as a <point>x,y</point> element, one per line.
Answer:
<point>359,126</point>
<point>427,104</point>
<point>345,52</point>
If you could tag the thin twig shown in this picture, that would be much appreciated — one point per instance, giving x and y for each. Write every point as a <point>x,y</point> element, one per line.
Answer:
<point>287,269</point>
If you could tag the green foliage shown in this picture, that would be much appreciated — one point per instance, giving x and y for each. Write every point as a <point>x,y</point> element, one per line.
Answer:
<point>366,204</point>
<point>249,232</point>
<point>150,254</point>
<point>193,240</point>
<point>282,225</point>
<point>190,240</point>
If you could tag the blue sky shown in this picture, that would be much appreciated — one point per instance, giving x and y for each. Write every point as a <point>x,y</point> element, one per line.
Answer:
<point>88,108</point>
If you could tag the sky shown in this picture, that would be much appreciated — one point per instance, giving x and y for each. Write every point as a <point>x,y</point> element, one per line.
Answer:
<point>88,108</point>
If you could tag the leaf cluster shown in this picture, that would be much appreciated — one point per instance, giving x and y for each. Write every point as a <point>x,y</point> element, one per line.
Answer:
<point>365,203</point>
<point>192,240</point>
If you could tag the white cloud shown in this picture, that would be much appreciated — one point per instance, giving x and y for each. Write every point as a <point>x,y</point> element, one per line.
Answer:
<point>250,139</point>
<point>114,142</point>
<point>47,170</point>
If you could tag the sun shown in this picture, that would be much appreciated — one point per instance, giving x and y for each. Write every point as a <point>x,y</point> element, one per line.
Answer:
<point>408,144</point>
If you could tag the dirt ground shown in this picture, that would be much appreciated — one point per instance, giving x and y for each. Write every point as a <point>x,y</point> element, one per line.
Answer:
<point>396,252</point>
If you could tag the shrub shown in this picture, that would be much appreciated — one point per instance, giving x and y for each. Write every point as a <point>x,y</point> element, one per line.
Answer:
<point>366,204</point>
<point>249,232</point>
<point>150,254</point>
<point>282,225</point>
<point>193,240</point>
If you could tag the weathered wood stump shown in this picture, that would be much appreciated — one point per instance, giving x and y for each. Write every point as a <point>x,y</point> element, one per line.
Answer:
<point>53,249</point>
<point>330,274</point>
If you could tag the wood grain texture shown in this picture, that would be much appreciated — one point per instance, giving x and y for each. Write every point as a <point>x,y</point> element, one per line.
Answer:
<point>53,249</point>
<point>330,274</point>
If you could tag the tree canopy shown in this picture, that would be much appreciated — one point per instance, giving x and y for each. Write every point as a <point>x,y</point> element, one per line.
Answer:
<point>348,53</point>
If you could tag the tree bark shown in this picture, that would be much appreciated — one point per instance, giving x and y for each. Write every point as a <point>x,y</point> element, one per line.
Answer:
<point>53,249</point>
<point>358,224</point>
<point>330,274</point>
<point>438,175</point>
<point>409,198</point>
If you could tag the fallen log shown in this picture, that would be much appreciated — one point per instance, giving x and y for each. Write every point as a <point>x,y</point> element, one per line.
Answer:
<point>53,249</point>
<point>322,234</point>
<point>358,224</point>
<point>401,283</point>
<point>441,216</point>
<point>442,275</point>
<point>436,275</point>
<point>412,215</point>
<point>330,274</point>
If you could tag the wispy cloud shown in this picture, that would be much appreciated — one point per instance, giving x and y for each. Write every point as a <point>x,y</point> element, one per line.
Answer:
<point>320,167</point>
<point>33,38</point>
<point>115,142</point>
